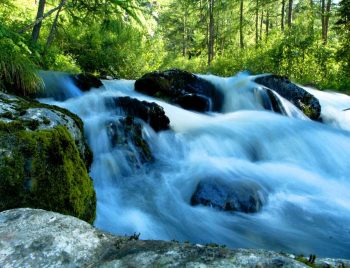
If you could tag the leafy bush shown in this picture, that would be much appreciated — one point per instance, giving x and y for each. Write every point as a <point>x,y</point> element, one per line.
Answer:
<point>17,71</point>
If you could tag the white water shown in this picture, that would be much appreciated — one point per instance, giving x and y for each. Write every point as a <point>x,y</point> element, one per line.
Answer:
<point>333,106</point>
<point>303,165</point>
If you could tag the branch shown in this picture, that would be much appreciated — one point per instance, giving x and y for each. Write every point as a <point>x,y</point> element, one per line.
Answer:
<point>49,13</point>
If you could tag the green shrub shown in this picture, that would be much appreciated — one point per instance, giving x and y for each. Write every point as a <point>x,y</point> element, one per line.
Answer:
<point>18,73</point>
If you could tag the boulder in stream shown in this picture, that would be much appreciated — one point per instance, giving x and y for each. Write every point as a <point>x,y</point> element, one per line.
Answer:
<point>86,81</point>
<point>182,88</point>
<point>44,159</point>
<point>150,112</point>
<point>302,99</point>
<point>241,196</point>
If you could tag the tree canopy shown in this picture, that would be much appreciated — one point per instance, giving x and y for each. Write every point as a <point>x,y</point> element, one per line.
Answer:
<point>306,40</point>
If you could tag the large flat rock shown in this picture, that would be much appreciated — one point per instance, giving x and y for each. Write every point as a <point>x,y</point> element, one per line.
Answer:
<point>38,238</point>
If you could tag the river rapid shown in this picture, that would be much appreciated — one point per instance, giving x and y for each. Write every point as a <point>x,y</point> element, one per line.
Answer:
<point>302,166</point>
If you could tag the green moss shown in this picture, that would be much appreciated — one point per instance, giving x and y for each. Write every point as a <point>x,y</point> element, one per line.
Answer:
<point>32,124</point>
<point>35,104</point>
<point>46,121</point>
<point>23,104</point>
<point>309,112</point>
<point>309,262</point>
<point>43,169</point>
<point>7,115</point>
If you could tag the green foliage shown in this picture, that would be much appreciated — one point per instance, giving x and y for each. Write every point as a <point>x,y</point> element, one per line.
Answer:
<point>43,169</point>
<point>17,70</point>
<point>129,38</point>
<point>57,61</point>
<point>343,28</point>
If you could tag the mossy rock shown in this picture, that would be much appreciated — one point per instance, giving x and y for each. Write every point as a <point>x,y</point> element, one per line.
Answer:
<point>298,96</point>
<point>38,116</point>
<point>44,169</point>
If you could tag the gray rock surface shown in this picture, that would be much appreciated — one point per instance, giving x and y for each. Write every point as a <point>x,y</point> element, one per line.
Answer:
<point>38,238</point>
<point>39,116</point>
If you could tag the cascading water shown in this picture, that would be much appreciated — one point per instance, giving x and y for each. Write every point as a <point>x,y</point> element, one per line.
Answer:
<point>302,168</point>
<point>335,108</point>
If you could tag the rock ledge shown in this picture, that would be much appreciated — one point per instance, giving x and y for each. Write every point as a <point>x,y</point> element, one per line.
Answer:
<point>38,238</point>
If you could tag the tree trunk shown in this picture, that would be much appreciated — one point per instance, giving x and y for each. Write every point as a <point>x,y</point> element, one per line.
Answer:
<point>211,32</point>
<point>37,27</point>
<point>326,21</point>
<point>282,14</point>
<point>184,35</point>
<point>54,27</point>
<point>39,20</point>
<point>267,22</point>
<point>323,4</point>
<point>261,22</point>
<point>241,41</point>
<point>257,22</point>
<point>290,12</point>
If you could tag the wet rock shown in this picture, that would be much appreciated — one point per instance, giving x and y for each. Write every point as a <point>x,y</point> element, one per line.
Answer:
<point>302,99</point>
<point>151,113</point>
<point>182,88</point>
<point>126,134</point>
<point>276,104</point>
<point>44,159</point>
<point>38,238</point>
<point>86,81</point>
<point>242,196</point>
<point>193,102</point>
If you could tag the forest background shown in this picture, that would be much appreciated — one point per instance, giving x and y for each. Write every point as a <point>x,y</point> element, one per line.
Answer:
<point>305,40</point>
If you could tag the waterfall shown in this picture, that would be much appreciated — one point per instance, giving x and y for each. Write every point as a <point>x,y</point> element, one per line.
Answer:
<point>302,167</point>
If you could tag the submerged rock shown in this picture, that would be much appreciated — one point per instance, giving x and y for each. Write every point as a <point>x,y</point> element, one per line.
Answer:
<point>150,112</point>
<point>183,88</point>
<point>86,81</point>
<point>38,238</point>
<point>242,196</point>
<point>302,99</point>
<point>44,159</point>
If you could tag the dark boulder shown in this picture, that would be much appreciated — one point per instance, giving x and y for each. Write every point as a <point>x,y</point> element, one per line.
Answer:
<point>151,113</point>
<point>193,102</point>
<point>183,88</point>
<point>86,81</point>
<point>302,99</point>
<point>242,196</point>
